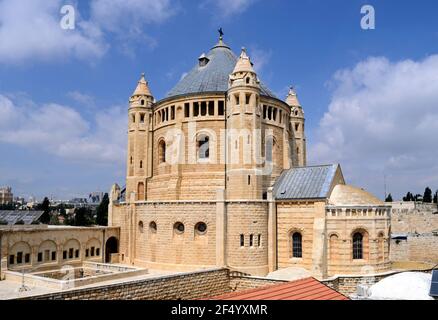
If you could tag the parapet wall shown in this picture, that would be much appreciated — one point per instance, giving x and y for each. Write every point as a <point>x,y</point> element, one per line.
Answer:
<point>185,286</point>
<point>419,223</point>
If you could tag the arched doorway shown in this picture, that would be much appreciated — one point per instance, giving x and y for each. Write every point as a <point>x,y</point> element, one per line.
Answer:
<point>111,246</point>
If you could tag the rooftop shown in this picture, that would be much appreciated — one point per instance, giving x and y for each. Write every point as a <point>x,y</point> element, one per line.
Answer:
<point>304,289</point>
<point>345,195</point>
<point>212,76</point>
<point>13,216</point>
<point>305,182</point>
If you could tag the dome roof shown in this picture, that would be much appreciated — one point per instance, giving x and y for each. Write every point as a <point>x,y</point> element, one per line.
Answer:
<point>212,76</point>
<point>345,195</point>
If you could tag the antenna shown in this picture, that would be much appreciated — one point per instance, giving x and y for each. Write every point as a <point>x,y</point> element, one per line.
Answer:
<point>384,184</point>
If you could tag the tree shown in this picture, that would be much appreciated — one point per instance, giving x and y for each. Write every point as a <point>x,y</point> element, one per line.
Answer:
<point>435,197</point>
<point>102,211</point>
<point>427,197</point>
<point>409,197</point>
<point>54,220</point>
<point>83,217</point>
<point>389,198</point>
<point>19,222</point>
<point>3,222</point>
<point>45,206</point>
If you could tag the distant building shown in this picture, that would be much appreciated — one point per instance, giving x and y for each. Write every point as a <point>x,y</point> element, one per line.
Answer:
<point>6,196</point>
<point>95,197</point>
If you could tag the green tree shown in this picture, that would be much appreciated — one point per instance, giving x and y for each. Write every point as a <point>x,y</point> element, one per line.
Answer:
<point>389,198</point>
<point>62,211</point>
<point>102,211</point>
<point>3,222</point>
<point>54,220</point>
<point>83,217</point>
<point>427,197</point>
<point>45,206</point>
<point>409,197</point>
<point>435,197</point>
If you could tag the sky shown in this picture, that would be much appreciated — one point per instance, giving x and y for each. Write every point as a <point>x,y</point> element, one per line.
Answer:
<point>370,97</point>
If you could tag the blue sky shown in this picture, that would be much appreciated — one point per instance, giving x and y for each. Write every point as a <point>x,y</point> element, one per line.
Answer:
<point>370,96</point>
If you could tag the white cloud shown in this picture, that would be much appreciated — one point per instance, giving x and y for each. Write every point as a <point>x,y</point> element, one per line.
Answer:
<point>227,8</point>
<point>383,120</point>
<point>82,98</point>
<point>63,132</point>
<point>133,14</point>
<point>260,58</point>
<point>30,30</point>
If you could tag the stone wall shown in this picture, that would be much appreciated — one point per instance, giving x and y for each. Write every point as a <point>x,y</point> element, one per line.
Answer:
<point>419,222</point>
<point>347,284</point>
<point>187,286</point>
<point>240,282</point>
<point>422,248</point>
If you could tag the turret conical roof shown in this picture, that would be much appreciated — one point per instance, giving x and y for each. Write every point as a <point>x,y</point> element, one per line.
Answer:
<point>292,99</point>
<point>142,88</point>
<point>243,63</point>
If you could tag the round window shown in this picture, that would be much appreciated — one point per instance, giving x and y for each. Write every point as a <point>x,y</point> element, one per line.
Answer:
<point>153,227</point>
<point>179,227</point>
<point>201,227</point>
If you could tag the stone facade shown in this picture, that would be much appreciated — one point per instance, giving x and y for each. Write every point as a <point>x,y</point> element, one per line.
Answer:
<point>36,248</point>
<point>418,223</point>
<point>202,165</point>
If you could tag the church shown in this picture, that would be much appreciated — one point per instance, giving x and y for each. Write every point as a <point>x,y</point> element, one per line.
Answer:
<point>217,177</point>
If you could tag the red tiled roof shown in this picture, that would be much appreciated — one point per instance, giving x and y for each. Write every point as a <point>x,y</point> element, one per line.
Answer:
<point>304,289</point>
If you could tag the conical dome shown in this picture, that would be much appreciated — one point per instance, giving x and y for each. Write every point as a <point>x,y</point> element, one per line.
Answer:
<point>142,88</point>
<point>243,63</point>
<point>292,99</point>
<point>213,76</point>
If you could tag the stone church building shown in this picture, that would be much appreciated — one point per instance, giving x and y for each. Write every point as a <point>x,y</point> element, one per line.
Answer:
<point>216,176</point>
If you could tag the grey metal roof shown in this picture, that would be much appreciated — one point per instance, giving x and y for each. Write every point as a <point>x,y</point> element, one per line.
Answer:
<point>13,216</point>
<point>305,182</point>
<point>212,77</point>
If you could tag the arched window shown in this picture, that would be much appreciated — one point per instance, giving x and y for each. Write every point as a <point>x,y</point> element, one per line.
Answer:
<point>269,147</point>
<point>153,227</point>
<point>333,247</point>
<point>381,250</point>
<point>297,245</point>
<point>357,246</point>
<point>162,151</point>
<point>201,228</point>
<point>140,191</point>
<point>178,227</point>
<point>203,147</point>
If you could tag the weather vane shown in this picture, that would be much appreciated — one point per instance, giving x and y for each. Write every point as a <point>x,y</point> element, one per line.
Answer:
<point>221,33</point>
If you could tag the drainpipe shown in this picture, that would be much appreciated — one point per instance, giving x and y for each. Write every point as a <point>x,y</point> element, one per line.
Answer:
<point>103,247</point>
